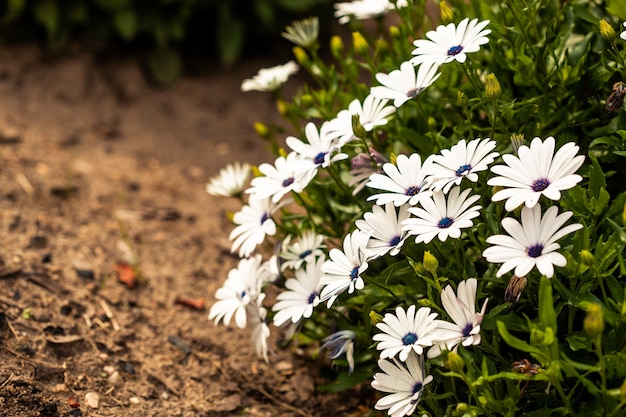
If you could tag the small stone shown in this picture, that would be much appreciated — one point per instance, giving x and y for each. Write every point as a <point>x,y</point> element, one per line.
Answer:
<point>92,399</point>
<point>133,400</point>
<point>59,388</point>
<point>109,369</point>
<point>115,379</point>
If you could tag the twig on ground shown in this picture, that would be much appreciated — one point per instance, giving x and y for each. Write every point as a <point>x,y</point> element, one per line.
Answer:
<point>6,381</point>
<point>110,316</point>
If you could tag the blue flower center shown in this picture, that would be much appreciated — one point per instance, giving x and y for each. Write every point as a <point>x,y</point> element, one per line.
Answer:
<point>395,240</point>
<point>409,338</point>
<point>412,190</point>
<point>305,254</point>
<point>355,272</point>
<point>535,250</point>
<point>463,169</point>
<point>417,392</point>
<point>413,92</point>
<point>264,217</point>
<point>319,158</point>
<point>312,297</point>
<point>243,294</point>
<point>540,184</point>
<point>467,329</point>
<point>455,50</point>
<point>445,223</point>
<point>288,181</point>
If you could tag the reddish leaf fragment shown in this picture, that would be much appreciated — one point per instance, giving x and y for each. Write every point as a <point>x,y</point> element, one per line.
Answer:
<point>73,402</point>
<point>125,274</point>
<point>195,303</point>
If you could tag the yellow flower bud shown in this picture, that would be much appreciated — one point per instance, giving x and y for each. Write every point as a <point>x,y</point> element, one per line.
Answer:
<point>622,391</point>
<point>493,90</point>
<point>454,362</point>
<point>446,12</point>
<point>281,106</point>
<point>624,216</point>
<point>461,99</point>
<point>357,128</point>
<point>586,257</point>
<point>607,31</point>
<point>302,57</point>
<point>392,158</point>
<point>306,100</point>
<point>256,172</point>
<point>517,140</point>
<point>261,130</point>
<point>282,152</point>
<point>336,46</point>
<point>375,318</point>
<point>431,263</point>
<point>462,407</point>
<point>361,46</point>
<point>394,32</point>
<point>593,324</point>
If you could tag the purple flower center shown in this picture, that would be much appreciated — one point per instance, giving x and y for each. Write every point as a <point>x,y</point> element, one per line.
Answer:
<point>243,294</point>
<point>455,50</point>
<point>413,92</point>
<point>319,158</point>
<point>305,254</point>
<point>463,169</point>
<point>312,297</point>
<point>412,190</point>
<point>355,272</point>
<point>445,223</point>
<point>264,217</point>
<point>467,329</point>
<point>540,184</point>
<point>409,338</point>
<point>417,392</point>
<point>288,181</point>
<point>395,240</point>
<point>535,250</point>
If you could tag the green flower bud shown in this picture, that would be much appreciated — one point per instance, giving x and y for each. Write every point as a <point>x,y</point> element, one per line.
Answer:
<point>431,263</point>
<point>281,106</point>
<point>462,407</point>
<point>336,46</point>
<point>517,140</point>
<point>461,99</point>
<point>375,318</point>
<point>593,324</point>
<point>454,362</point>
<point>357,128</point>
<point>261,130</point>
<point>361,46</point>
<point>394,32</point>
<point>586,257</point>
<point>607,32</point>
<point>392,158</point>
<point>493,90</point>
<point>306,100</point>
<point>536,336</point>
<point>446,12</point>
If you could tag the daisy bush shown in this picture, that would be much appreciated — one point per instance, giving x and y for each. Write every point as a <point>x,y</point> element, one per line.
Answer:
<point>444,222</point>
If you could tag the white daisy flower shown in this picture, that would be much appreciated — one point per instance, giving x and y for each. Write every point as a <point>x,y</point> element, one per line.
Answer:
<point>405,332</point>
<point>462,310</point>
<point>442,217</point>
<point>254,223</point>
<point>404,84</point>
<point>372,113</point>
<point>451,42</point>
<point>301,296</point>
<point>463,160</point>
<point>344,268</point>
<point>404,181</point>
<point>303,32</point>
<point>365,9</point>
<point>242,287</point>
<point>288,173</point>
<point>270,79</point>
<point>320,147</point>
<point>535,172</point>
<point>230,181</point>
<point>340,343</point>
<point>531,243</point>
<point>623,34</point>
<point>385,228</point>
<point>260,330</point>
<point>307,248</point>
<point>362,168</point>
<point>404,385</point>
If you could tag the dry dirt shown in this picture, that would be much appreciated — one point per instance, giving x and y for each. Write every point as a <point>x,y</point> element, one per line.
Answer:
<point>99,168</point>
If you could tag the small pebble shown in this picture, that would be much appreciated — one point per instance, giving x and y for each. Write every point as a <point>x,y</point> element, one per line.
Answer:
<point>92,399</point>
<point>115,379</point>
<point>109,369</point>
<point>133,400</point>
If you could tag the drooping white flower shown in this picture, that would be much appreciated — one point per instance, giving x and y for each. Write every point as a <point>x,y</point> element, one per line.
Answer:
<point>305,249</point>
<point>451,42</point>
<point>406,331</point>
<point>320,147</point>
<point>344,268</point>
<point>365,9</point>
<point>303,32</point>
<point>242,287</point>
<point>623,34</point>
<point>289,173</point>
<point>404,385</point>
<point>442,216</point>
<point>463,160</point>
<point>260,330</point>
<point>385,228</point>
<point>254,223</point>
<point>230,181</point>
<point>270,79</point>
<point>531,243</point>
<point>535,172</point>
<point>372,113</point>
<point>363,166</point>
<point>403,84</point>
<point>404,182</point>
<point>340,343</point>
<point>462,310</point>
<point>301,296</point>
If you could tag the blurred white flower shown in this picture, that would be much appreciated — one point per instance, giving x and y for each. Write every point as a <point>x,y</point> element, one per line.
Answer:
<point>623,34</point>
<point>260,330</point>
<point>385,228</point>
<point>270,79</point>
<point>305,249</point>
<point>363,166</point>
<point>340,343</point>
<point>289,173</point>
<point>451,42</point>
<point>403,84</point>
<point>365,9</point>
<point>303,32</point>
<point>531,243</point>
<point>320,147</point>
<point>230,181</point>
<point>372,113</point>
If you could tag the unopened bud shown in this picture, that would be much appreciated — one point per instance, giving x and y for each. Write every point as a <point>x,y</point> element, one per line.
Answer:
<point>361,46</point>
<point>392,158</point>
<point>622,391</point>
<point>261,130</point>
<point>357,128</point>
<point>607,32</point>
<point>454,362</point>
<point>446,12</point>
<point>375,318</point>
<point>394,32</point>
<point>431,263</point>
<point>586,257</point>
<point>256,172</point>
<point>336,46</point>
<point>461,99</point>
<point>302,57</point>
<point>282,152</point>
<point>462,407</point>
<point>593,324</point>
<point>517,140</point>
<point>514,289</point>
<point>281,106</point>
<point>306,100</point>
<point>493,90</point>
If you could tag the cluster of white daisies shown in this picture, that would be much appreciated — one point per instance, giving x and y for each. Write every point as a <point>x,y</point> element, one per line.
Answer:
<point>416,198</point>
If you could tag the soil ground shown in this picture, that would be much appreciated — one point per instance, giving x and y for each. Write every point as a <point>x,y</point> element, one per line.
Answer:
<point>99,168</point>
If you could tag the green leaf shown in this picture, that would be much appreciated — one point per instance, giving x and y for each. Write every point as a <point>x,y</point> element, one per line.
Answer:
<point>547,315</point>
<point>165,65</point>
<point>513,341</point>
<point>47,13</point>
<point>616,8</point>
<point>125,23</point>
